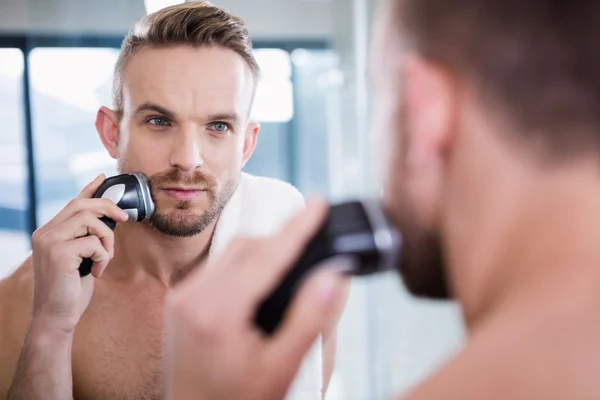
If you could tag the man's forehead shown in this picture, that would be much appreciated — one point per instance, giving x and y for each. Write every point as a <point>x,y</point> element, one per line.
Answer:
<point>188,77</point>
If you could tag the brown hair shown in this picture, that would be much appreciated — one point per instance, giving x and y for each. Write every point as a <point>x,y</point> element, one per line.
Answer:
<point>535,62</point>
<point>194,24</point>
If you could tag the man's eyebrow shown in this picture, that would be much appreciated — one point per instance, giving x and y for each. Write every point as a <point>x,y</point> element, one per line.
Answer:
<point>156,108</point>
<point>227,117</point>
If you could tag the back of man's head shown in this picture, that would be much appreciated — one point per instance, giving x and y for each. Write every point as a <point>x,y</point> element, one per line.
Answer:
<point>195,24</point>
<point>534,63</point>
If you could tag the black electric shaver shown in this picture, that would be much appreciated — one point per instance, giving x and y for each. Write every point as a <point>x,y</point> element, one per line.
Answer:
<point>131,193</point>
<point>358,229</point>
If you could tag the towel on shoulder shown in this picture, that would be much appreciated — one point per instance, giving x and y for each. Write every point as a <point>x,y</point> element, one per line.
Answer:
<point>261,207</point>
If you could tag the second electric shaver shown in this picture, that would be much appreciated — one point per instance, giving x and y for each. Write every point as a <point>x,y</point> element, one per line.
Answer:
<point>357,229</point>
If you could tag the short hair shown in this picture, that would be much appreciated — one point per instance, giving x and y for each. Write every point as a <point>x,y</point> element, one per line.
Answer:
<point>194,24</point>
<point>534,63</point>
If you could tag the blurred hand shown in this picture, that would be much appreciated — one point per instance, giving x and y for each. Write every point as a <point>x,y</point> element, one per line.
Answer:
<point>61,295</point>
<point>214,349</point>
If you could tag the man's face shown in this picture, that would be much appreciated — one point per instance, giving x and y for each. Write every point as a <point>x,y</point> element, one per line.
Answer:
<point>185,125</point>
<point>410,208</point>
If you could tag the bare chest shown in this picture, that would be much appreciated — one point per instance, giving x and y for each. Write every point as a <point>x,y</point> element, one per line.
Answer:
<point>118,352</point>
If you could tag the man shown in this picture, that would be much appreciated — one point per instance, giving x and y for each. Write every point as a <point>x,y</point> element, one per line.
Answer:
<point>490,111</point>
<point>184,86</point>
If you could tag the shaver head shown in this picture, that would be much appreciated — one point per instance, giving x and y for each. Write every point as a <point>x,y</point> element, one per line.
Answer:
<point>361,229</point>
<point>146,196</point>
<point>131,193</point>
<point>358,229</point>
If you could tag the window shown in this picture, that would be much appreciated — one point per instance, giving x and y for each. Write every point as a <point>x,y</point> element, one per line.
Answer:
<point>68,86</point>
<point>273,108</point>
<point>274,95</point>
<point>317,94</point>
<point>14,239</point>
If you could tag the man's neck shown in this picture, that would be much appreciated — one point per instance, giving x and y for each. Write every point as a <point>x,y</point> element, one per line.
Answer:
<point>534,240</point>
<point>141,251</point>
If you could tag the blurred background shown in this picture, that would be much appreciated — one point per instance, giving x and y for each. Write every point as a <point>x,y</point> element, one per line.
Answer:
<point>56,64</point>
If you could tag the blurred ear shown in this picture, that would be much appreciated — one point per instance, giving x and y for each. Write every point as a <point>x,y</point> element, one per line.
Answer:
<point>250,140</point>
<point>107,125</point>
<point>430,120</point>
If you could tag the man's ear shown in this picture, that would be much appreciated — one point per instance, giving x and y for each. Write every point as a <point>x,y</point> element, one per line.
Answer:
<point>250,141</point>
<point>430,111</point>
<point>107,125</point>
<point>430,119</point>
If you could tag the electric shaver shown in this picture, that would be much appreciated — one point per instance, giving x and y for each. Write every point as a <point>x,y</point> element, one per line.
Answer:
<point>357,229</point>
<point>131,193</point>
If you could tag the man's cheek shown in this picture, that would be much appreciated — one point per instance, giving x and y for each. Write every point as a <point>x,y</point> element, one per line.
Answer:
<point>223,161</point>
<point>151,155</point>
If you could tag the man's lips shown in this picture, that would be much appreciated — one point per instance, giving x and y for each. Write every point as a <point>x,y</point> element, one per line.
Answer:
<point>183,193</point>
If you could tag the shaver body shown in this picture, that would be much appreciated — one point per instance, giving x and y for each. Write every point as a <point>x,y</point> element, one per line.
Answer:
<point>131,193</point>
<point>357,229</point>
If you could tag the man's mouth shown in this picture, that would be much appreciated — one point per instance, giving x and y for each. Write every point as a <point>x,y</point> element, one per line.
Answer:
<point>182,193</point>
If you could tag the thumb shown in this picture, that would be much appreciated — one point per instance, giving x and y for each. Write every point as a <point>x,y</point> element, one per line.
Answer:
<point>317,302</point>
<point>90,189</point>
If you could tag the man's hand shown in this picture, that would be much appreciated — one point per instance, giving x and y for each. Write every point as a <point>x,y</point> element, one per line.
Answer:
<point>60,295</point>
<point>214,349</point>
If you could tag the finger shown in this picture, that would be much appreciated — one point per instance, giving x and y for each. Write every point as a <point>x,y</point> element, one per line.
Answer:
<point>85,247</point>
<point>316,304</point>
<point>305,222</point>
<point>291,242</point>
<point>90,189</point>
<point>83,224</point>
<point>99,268</point>
<point>99,207</point>
<point>265,265</point>
<point>86,192</point>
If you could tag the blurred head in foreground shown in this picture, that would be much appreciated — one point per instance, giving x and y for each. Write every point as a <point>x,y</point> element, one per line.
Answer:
<point>482,106</point>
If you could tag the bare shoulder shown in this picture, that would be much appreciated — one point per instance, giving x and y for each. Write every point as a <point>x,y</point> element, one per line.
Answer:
<point>16,294</point>
<point>518,360</point>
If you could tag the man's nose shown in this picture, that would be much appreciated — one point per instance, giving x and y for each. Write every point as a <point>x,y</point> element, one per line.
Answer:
<point>186,153</point>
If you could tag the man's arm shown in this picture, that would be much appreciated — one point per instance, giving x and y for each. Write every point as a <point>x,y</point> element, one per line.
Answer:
<point>61,295</point>
<point>44,368</point>
<point>8,353</point>
<point>15,295</point>
<point>34,362</point>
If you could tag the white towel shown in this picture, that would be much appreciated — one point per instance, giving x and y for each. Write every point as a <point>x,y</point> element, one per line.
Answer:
<point>261,207</point>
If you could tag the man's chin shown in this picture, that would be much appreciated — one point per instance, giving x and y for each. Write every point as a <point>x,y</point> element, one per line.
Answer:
<point>176,228</point>
<point>181,223</point>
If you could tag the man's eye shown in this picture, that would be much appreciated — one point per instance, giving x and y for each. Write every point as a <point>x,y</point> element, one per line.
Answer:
<point>219,127</point>
<point>159,121</point>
